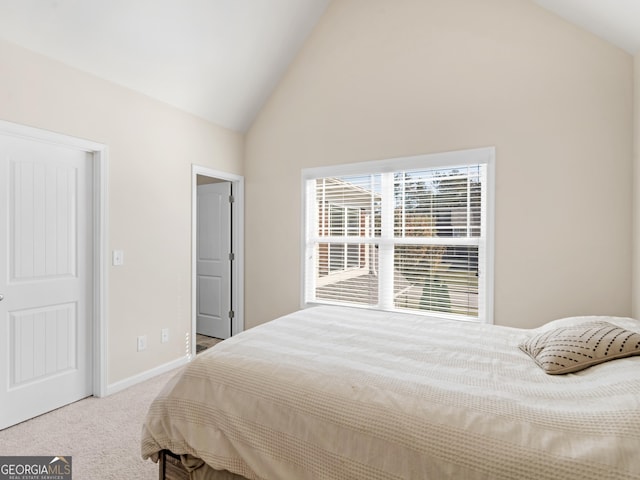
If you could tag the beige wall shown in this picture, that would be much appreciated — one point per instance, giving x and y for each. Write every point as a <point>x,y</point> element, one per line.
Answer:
<point>380,79</point>
<point>636,189</point>
<point>151,149</point>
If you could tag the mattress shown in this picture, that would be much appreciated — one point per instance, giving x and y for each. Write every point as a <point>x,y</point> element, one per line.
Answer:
<point>341,393</point>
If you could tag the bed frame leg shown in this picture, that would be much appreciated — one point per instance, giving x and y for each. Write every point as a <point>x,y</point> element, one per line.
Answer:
<point>161,466</point>
<point>170,467</point>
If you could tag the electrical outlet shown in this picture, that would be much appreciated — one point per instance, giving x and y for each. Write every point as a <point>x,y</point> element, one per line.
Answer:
<point>164,336</point>
<point>142,343</point>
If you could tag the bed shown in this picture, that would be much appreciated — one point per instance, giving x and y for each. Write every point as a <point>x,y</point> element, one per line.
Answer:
<point>341,393</point>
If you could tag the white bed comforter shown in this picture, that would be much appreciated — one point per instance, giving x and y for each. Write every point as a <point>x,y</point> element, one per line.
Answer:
<point>340,393</point>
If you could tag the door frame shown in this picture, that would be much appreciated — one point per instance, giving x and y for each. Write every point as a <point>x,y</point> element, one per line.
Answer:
<point>237,245</point>
<point>98,220</point>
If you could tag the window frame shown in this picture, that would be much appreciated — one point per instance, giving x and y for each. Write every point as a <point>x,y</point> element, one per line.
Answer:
<point>484,155</point>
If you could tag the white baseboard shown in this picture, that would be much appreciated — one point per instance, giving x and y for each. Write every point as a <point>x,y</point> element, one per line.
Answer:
<point>141,377</point>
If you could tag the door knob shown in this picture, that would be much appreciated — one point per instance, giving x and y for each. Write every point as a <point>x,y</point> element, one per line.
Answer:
<point>1,297</point>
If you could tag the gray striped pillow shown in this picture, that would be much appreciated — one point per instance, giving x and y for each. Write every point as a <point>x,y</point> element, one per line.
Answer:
<point>569,349</point>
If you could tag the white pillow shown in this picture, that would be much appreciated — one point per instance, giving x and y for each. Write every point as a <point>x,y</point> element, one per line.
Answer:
<point>573,347</point>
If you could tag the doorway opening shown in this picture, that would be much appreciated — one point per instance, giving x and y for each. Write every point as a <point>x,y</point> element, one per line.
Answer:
<point>217,256</point>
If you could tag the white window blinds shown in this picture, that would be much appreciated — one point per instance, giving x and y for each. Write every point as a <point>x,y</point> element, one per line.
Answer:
<point>407,239</point>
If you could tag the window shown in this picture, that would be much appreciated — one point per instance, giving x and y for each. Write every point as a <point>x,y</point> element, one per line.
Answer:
<point>410,234</point>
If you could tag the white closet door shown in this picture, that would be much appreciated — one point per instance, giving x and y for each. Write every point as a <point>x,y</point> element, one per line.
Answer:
<point>45,277</point>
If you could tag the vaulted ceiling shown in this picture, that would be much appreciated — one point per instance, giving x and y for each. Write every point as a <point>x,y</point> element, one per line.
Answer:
<point>617,21</point>
<point>218,59</point>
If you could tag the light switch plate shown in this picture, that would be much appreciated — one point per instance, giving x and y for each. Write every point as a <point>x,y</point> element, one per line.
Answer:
<point>142,343</point>
<point>118,258</point>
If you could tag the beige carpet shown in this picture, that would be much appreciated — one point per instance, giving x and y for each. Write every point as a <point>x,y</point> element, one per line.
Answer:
<point>102,435</point>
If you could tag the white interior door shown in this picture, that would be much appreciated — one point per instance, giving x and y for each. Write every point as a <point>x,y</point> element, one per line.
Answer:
<point>45,277</point>
<point>213,250</point>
